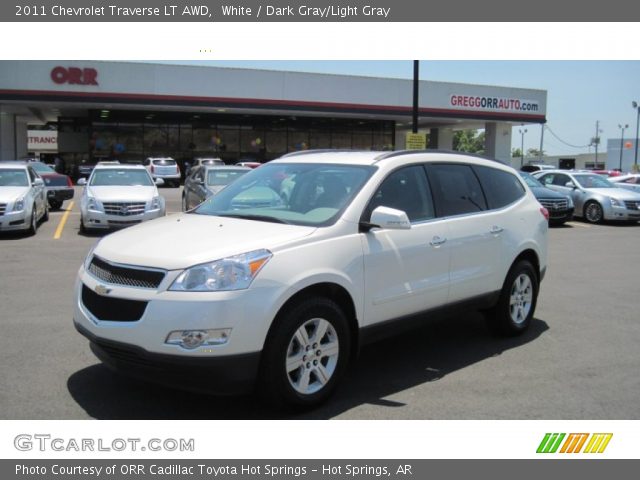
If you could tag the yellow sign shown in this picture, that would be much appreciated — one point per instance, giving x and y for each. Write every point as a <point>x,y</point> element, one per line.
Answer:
<point>416,141</point>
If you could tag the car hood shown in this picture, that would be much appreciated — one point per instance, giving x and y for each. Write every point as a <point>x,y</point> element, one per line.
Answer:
<point>122,194</point>
<point>180,241</point>
<point>11,194</point>
<point>543,192</point>
<point>620,193</point>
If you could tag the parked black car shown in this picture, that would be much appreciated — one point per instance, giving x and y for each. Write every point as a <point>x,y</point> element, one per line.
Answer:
<point>560,206</point>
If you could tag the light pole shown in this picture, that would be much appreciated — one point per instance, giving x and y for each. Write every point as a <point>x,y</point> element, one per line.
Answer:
<point>522,132</point>
<point>635,105</point>
<point>622,127</point>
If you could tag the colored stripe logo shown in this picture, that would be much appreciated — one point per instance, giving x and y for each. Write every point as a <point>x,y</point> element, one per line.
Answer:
<point>574,443</point>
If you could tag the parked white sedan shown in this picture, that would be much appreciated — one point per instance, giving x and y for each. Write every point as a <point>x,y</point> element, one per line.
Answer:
<point>629,182</point>
<point>23,199</point>
<point>117,196</point>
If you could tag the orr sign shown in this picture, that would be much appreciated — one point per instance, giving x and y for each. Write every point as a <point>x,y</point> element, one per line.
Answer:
<point>74,76</point>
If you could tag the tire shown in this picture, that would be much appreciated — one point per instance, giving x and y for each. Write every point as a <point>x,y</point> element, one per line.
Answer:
<point>33,226</point>
<point>593,212</point>
<point>55,204</point>
<point>184,203</point>
<point>517,303</point>
<point>83,229</point>
<point>45,216</point>
<point>298,369</point>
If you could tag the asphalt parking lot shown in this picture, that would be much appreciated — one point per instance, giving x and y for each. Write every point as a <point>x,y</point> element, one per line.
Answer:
<point>579,360</point>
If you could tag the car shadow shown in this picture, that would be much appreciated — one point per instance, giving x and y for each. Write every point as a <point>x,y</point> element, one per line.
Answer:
<point>420,356</point>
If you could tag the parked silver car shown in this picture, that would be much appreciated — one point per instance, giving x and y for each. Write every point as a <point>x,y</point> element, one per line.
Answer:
<point>630,181</point>
<point>594,196</point>
<point>23,199</point>
<point>117,196</point>
<point>206,181</point>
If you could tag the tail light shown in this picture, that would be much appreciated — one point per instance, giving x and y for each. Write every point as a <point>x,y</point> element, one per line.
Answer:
<point>152,169</point>
<point>69,182</point>
<point>544,212</point>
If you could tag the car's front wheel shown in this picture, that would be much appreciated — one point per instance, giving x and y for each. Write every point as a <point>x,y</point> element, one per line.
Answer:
<point>33,223</point>
<point>517,303</point>
<point>306,354</point>
<point>593,212</point>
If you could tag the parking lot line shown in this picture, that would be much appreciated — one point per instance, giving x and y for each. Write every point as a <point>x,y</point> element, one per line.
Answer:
<point>63,220</point>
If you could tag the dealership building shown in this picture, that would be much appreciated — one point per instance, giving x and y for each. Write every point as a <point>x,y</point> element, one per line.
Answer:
<point>130,111</point>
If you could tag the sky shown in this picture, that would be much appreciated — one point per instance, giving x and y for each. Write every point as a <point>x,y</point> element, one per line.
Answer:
<point>579,93</point>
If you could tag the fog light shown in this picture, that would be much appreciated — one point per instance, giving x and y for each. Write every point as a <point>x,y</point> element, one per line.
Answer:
<point>191,339</point>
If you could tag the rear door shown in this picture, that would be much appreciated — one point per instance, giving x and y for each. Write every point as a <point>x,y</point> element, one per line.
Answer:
<point>474,231</point>
<point>406,271</point>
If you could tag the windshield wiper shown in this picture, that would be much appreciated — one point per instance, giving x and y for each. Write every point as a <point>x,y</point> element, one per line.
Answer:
<point>260,218</point>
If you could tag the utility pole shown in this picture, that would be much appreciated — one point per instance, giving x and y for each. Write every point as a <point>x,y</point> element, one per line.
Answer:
<point>541,142</point>
<point>416,83</point>
<point>596,141</point>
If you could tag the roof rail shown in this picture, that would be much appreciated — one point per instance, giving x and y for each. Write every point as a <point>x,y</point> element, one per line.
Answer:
<point>322,150</point>
<point>399,153</point>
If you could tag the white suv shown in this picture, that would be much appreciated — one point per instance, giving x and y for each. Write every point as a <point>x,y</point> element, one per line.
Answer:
<point>254,288</point>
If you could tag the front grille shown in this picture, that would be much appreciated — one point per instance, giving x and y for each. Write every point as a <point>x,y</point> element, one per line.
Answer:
<point>112,309</point>
<point>554,203</point>
<point>632,204</point>
<point>126,276</point>
<point>123,209</point>
<point>3,208</point>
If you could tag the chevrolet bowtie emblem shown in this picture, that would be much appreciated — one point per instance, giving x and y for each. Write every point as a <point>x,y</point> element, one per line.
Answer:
<point>102,290</point>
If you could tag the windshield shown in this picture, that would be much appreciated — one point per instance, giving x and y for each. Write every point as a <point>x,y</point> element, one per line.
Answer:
<point>529,180</point>
<point>13,178</point>
<point>120,177</point>
<point>216,178</point>
<point>593,181</point>
<point>300,194</point>
<point>42,168</point>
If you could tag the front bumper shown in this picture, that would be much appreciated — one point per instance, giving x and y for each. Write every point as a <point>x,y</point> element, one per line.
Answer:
<point>228,375</point>
<point>560,216</point>
<point>15,221</point>
<point>622,214</point>
<point>60,194</point>
<point>100,220</point>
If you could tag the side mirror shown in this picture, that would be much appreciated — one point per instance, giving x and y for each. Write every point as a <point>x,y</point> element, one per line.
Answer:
<point>81,182</point>
<point>38,182</point>
<point>570,185</point>
<point>159,182</point>
<point>390,218</point>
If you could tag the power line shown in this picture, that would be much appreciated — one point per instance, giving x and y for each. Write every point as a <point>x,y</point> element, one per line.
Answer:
<point>562,141</point>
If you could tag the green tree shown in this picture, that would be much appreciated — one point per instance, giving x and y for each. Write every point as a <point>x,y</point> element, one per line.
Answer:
<point>534,152</point>
<point>470,141</point>
<point>516,153</point>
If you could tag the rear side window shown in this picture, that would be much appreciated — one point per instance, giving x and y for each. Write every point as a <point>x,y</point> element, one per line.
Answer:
<point>456,189</point>
<point>501,188</point>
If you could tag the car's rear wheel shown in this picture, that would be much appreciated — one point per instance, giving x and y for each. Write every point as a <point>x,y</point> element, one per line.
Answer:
<point>45,215</point>
<point>593,212</point>
<point>517,303</point>
<point>306,354</point>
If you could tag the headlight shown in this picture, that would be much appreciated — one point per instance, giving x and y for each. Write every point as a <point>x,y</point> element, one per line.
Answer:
<point>231,273</point>
<point>616,203</point>
<point>155,203</point>
<point>18,206</point>
<point>93,204</point>
<point>569,202</point>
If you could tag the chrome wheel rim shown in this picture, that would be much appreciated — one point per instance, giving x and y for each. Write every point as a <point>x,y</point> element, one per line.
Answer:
<point>521,298</point>
<point>594,212</point>
<point>312,356</point>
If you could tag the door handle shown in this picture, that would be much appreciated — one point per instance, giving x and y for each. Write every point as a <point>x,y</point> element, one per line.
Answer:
<point>496,229</point>
<point>437,241</point>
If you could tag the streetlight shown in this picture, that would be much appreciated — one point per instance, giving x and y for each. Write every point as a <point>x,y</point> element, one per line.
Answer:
<point>635,105</point>
<point>622,141</point>
<point>522,132</point>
